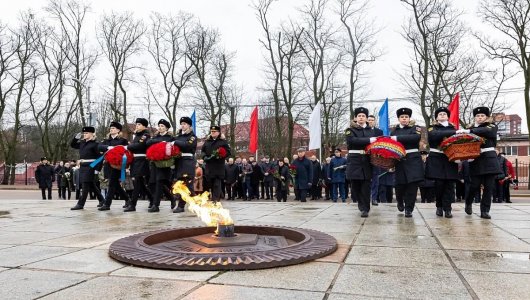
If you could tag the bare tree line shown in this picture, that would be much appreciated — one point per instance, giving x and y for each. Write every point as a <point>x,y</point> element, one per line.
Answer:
<point>321,54</point>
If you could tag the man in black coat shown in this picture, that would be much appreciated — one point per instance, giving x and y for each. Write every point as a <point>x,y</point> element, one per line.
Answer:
<point>162,175</point>
<point>316,189</point>
<point>358,168</point>
<point>58,170</point>
<point>45,176</point>
<point>88,153</point>
<point>304,174</point>
<point>376,171</point>
<point>484,168</point>
<point>215,163</point>
<point>185,164</point>
<point>438,166</point>
<point>113,175</point>
<point>231,177</point>
<point>410,170</point>
<point>267,168</point>
<point>140,165</point>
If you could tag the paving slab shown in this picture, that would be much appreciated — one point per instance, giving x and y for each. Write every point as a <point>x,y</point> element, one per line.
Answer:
<point>399,282</point>
<point>491,285</point>
<point>484,243</point>
<point>85,261</point>
<point>398,257</point>
<point>312,276</point>
<point>27,237</point>
<point>514,262</point>
<point>25,254</point>
<point>390,240</point>
<point>215,292</point>
<point>165,274</point>
<point>84,240</point>
<point>125,288</point>
<point>30,284</point>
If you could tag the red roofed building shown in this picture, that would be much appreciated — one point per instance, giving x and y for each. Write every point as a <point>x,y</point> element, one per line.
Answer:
<point>507,124</point>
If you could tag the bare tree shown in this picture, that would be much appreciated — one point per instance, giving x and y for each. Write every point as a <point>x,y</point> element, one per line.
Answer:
<point>46,107</point>
<point>71,17</point>
<point>510,18</point>
<point>284,69</point>
<point>213,70</point>
<point>360,47</point>
<point>119,36</point>
<point>167,46</point>
<point>24,73</point>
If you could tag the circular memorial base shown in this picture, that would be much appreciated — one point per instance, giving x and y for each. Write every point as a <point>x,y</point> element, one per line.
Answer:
<point>198,248</point>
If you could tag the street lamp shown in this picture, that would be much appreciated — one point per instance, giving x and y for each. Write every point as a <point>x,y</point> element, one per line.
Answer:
<point>88,98</point>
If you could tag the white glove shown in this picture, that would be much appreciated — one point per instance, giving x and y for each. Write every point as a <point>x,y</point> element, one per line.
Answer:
<point>394,138</point>
<point>110,147</point>
<point>372,139</point>
<point>78,136</point>
<point>125,147</point>
<point>463,131</point>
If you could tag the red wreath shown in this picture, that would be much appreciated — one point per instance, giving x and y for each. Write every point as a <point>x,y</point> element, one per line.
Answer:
<point>159,151</point>
<point>115,157</point>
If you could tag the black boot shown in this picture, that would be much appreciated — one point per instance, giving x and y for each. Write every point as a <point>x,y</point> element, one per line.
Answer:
<point>178,210</point>
<point>104,207</point>
<point>364,214</point>
<point>153,209</point>
<point>374,203</point>
<point>400,206</point>
<point>469,209</point>
<point>485,215</point>
<point>439,212</point>
<point>77,207</point>
<point>126,204</point>
<point>408,213</point>
<point>448,214</point>
<point>129,208</point>
<point>173,203</point>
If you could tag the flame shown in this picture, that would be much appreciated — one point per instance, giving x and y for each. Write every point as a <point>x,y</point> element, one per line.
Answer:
<point>211,213</point>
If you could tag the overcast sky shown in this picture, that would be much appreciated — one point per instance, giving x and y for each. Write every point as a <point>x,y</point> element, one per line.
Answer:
<point>240,31</point>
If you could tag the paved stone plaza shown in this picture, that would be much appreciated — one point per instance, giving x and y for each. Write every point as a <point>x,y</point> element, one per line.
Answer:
<point>50,252</point>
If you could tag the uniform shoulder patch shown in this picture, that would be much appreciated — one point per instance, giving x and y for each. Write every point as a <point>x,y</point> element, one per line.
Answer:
<point>348,131</point>
<point>431,128</point>
<point>191,140</point>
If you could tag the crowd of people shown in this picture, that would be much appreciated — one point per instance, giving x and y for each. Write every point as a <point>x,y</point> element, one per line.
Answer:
<point>344,174</point>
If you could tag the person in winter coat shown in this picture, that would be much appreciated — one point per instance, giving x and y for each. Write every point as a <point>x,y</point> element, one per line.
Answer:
<point>316,189</point>
<point>359,169</point>
<point>45,176</point>
<point>185,164</point>
<point>438,167</point>
<point>410,170</point>
<point>337,176</point>
<point>162,176</point>
<point>88,153</point>
<point>140,166</point>
<point>113,175</point>
<point>231,177</point>
<point>214,152</point>
<point>66,181</point>
<point>485,168</point>
<point>282,181</point>
<point>304,174</point>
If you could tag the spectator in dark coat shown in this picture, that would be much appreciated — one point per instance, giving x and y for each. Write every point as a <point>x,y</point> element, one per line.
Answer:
<point>58,171</point>
<point>45,176</point>
<point>231,177</point>
<point>282,181</point>
<point>337,176</point>
<point>255,179</point>
<point>304,174</point>
<point>326,175</point>
<point>316,189</point>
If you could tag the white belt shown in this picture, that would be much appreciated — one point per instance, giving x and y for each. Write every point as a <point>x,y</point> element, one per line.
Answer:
<point>186,155</point>
<point>411,151</point>
<point>139,155</point>
<point>356,152</point>
<point>487,149</point>
<point>86,160</point>
<point>435,150</point>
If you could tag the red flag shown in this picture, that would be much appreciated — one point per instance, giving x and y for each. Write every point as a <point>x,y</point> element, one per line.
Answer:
<point>253,147</point>
<point>454,108</point>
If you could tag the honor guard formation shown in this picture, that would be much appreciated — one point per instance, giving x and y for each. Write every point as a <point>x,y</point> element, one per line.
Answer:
<point>149,164</point>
